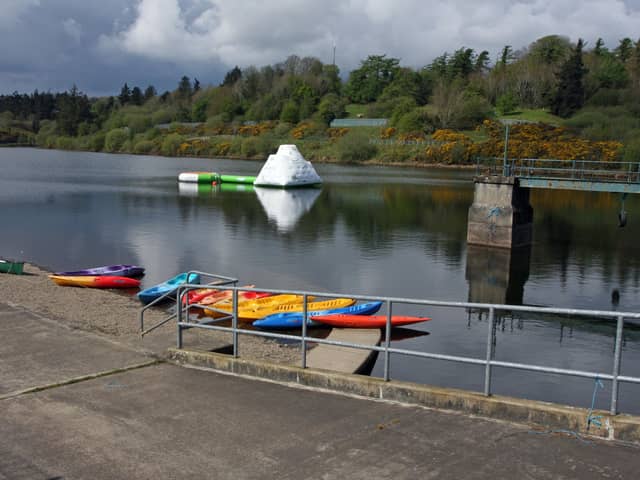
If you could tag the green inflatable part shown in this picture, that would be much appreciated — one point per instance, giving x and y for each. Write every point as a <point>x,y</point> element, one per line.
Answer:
<point>237,179</point>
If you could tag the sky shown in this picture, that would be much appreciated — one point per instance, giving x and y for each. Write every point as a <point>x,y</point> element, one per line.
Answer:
<point>99,45</point>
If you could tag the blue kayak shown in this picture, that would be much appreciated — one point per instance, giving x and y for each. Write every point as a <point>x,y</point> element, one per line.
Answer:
<point>294,319</point>
<point>150,294</point>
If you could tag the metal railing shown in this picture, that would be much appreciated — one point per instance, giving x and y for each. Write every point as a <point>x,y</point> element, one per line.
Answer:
<point>488,361</point>
<point>580,170</point>
<point>172,295</point>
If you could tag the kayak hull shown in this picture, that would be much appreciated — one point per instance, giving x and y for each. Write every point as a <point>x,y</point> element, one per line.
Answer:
<point>107,270</point>
<point>367,321</point>
<point>167,287</point>
<point>95,281</point>
<point>283,321</point>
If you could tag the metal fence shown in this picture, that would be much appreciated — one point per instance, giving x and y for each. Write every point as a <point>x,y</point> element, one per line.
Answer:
<point>184,322</point>
<point>550,169</point>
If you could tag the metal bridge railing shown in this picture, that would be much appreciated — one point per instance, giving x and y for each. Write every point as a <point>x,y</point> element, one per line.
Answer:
<point>488,361</point>
<point>553,169</point>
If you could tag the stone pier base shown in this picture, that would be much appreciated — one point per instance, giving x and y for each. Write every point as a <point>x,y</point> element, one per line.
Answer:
<point>500,215</point>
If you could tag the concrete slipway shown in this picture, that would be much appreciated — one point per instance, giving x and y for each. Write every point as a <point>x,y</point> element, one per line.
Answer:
<point>76,405</point>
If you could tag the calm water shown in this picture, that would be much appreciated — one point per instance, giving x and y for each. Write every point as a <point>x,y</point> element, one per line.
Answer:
<point>374,231</point>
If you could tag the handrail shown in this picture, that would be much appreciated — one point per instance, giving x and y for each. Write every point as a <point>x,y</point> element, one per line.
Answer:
<point>555,169</point>
<point>387,350</point>
<point>221,281</point>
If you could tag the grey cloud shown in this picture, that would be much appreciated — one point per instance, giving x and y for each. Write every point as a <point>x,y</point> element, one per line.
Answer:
<point>100,45</point>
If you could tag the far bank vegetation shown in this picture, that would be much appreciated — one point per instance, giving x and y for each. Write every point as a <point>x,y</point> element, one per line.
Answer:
<point>570,102</point>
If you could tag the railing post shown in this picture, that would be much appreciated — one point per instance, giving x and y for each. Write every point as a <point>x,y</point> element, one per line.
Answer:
<point>490,350</point>
<point>304,330</point>
<point>234,322</point>
<point>617,356</point>
<point>387,342</point>
<point>179,319</point>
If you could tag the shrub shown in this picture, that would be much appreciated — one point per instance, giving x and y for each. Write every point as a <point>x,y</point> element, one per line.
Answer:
<point>171,144</point>
<point>354,147</point>
<point>115,139</point>
<point>96,142</point>
<point>249,147</point>
<point>143,146</point>
<point>506,103</point>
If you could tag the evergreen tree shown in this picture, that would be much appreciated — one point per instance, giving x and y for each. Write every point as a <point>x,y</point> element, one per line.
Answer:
<point>125,95</point>
<point>149,93</point>
<point>136,96</point>
<point>624,49</point>
<point>196,85</point>
<point>569,96</point>
<point>184,88</point>
<point>231,77</point>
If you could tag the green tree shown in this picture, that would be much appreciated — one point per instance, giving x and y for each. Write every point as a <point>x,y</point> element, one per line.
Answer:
<point>624,49</point>
<point>290,112</point>
<point>125,94</point>
<point>231,77</point>
<point>569,96</point>
<point>136,96</point>
<point>73,109</point>
<point>149,93</point>
<point>196,85</point>
<point>366,83</point>
<point>184,88</point>
<point>331,107</point>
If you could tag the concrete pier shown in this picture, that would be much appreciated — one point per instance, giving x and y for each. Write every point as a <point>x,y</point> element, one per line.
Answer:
<point>500,215</point>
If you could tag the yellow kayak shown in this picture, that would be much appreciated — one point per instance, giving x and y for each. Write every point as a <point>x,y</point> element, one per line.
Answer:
<point>273,301</point>
<point>257,313</point>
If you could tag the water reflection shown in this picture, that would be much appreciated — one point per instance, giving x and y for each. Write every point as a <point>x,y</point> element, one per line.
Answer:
<point>497,275</point>
<point>286,207</point>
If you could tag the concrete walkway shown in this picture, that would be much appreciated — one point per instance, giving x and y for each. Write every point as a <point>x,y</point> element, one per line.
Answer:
<point>344,359</point>
<point>165,421</point>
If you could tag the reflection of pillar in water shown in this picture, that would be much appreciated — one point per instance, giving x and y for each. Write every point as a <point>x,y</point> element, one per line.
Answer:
<point>497,275</point>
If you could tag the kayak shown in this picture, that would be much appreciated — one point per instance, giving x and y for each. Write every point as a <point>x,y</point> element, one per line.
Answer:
<point>208,296</point>
<point>294,319</point>
<point>11,266</point>
<point>271,301</point>
<point>117,270</point>
<point>95,281</point>
<point>263,311</point>
<point>152,293</point>
<point>367,321</point>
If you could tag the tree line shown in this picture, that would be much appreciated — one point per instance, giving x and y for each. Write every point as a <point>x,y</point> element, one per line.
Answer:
<point>457,90</point>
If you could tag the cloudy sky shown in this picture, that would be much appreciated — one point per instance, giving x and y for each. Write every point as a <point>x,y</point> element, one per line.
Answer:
<point>100,44</point>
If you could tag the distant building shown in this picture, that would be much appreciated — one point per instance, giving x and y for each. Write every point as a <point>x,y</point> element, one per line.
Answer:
<point>359,122</point>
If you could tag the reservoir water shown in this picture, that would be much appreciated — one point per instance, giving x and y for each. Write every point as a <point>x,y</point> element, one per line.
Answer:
<point>369,230</point>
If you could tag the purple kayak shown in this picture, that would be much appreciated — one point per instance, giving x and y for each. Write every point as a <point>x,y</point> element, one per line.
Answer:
<point>110,270</point>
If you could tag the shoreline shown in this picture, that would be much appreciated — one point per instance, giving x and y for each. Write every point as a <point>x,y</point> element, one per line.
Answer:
<point>114,315</point>
<point>328,161</point>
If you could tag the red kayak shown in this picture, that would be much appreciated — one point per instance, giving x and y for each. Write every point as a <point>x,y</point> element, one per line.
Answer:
<point>366,321</point>
<point>207,296</point>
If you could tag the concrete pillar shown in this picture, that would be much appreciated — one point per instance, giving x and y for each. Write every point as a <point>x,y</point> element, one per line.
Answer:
<point>500,215</point>
<point>497,275</point>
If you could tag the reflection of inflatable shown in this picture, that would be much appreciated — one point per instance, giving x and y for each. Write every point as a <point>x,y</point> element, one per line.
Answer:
<point>287,168</point>
<point>285,207</point>
<point>235,187</point>
<point>194,189</point>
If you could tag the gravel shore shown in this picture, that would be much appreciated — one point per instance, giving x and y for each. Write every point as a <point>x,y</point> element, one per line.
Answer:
<point>115,314</point>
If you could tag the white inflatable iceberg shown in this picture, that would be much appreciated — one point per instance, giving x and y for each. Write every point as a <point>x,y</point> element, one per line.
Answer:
<point>287,168</point>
